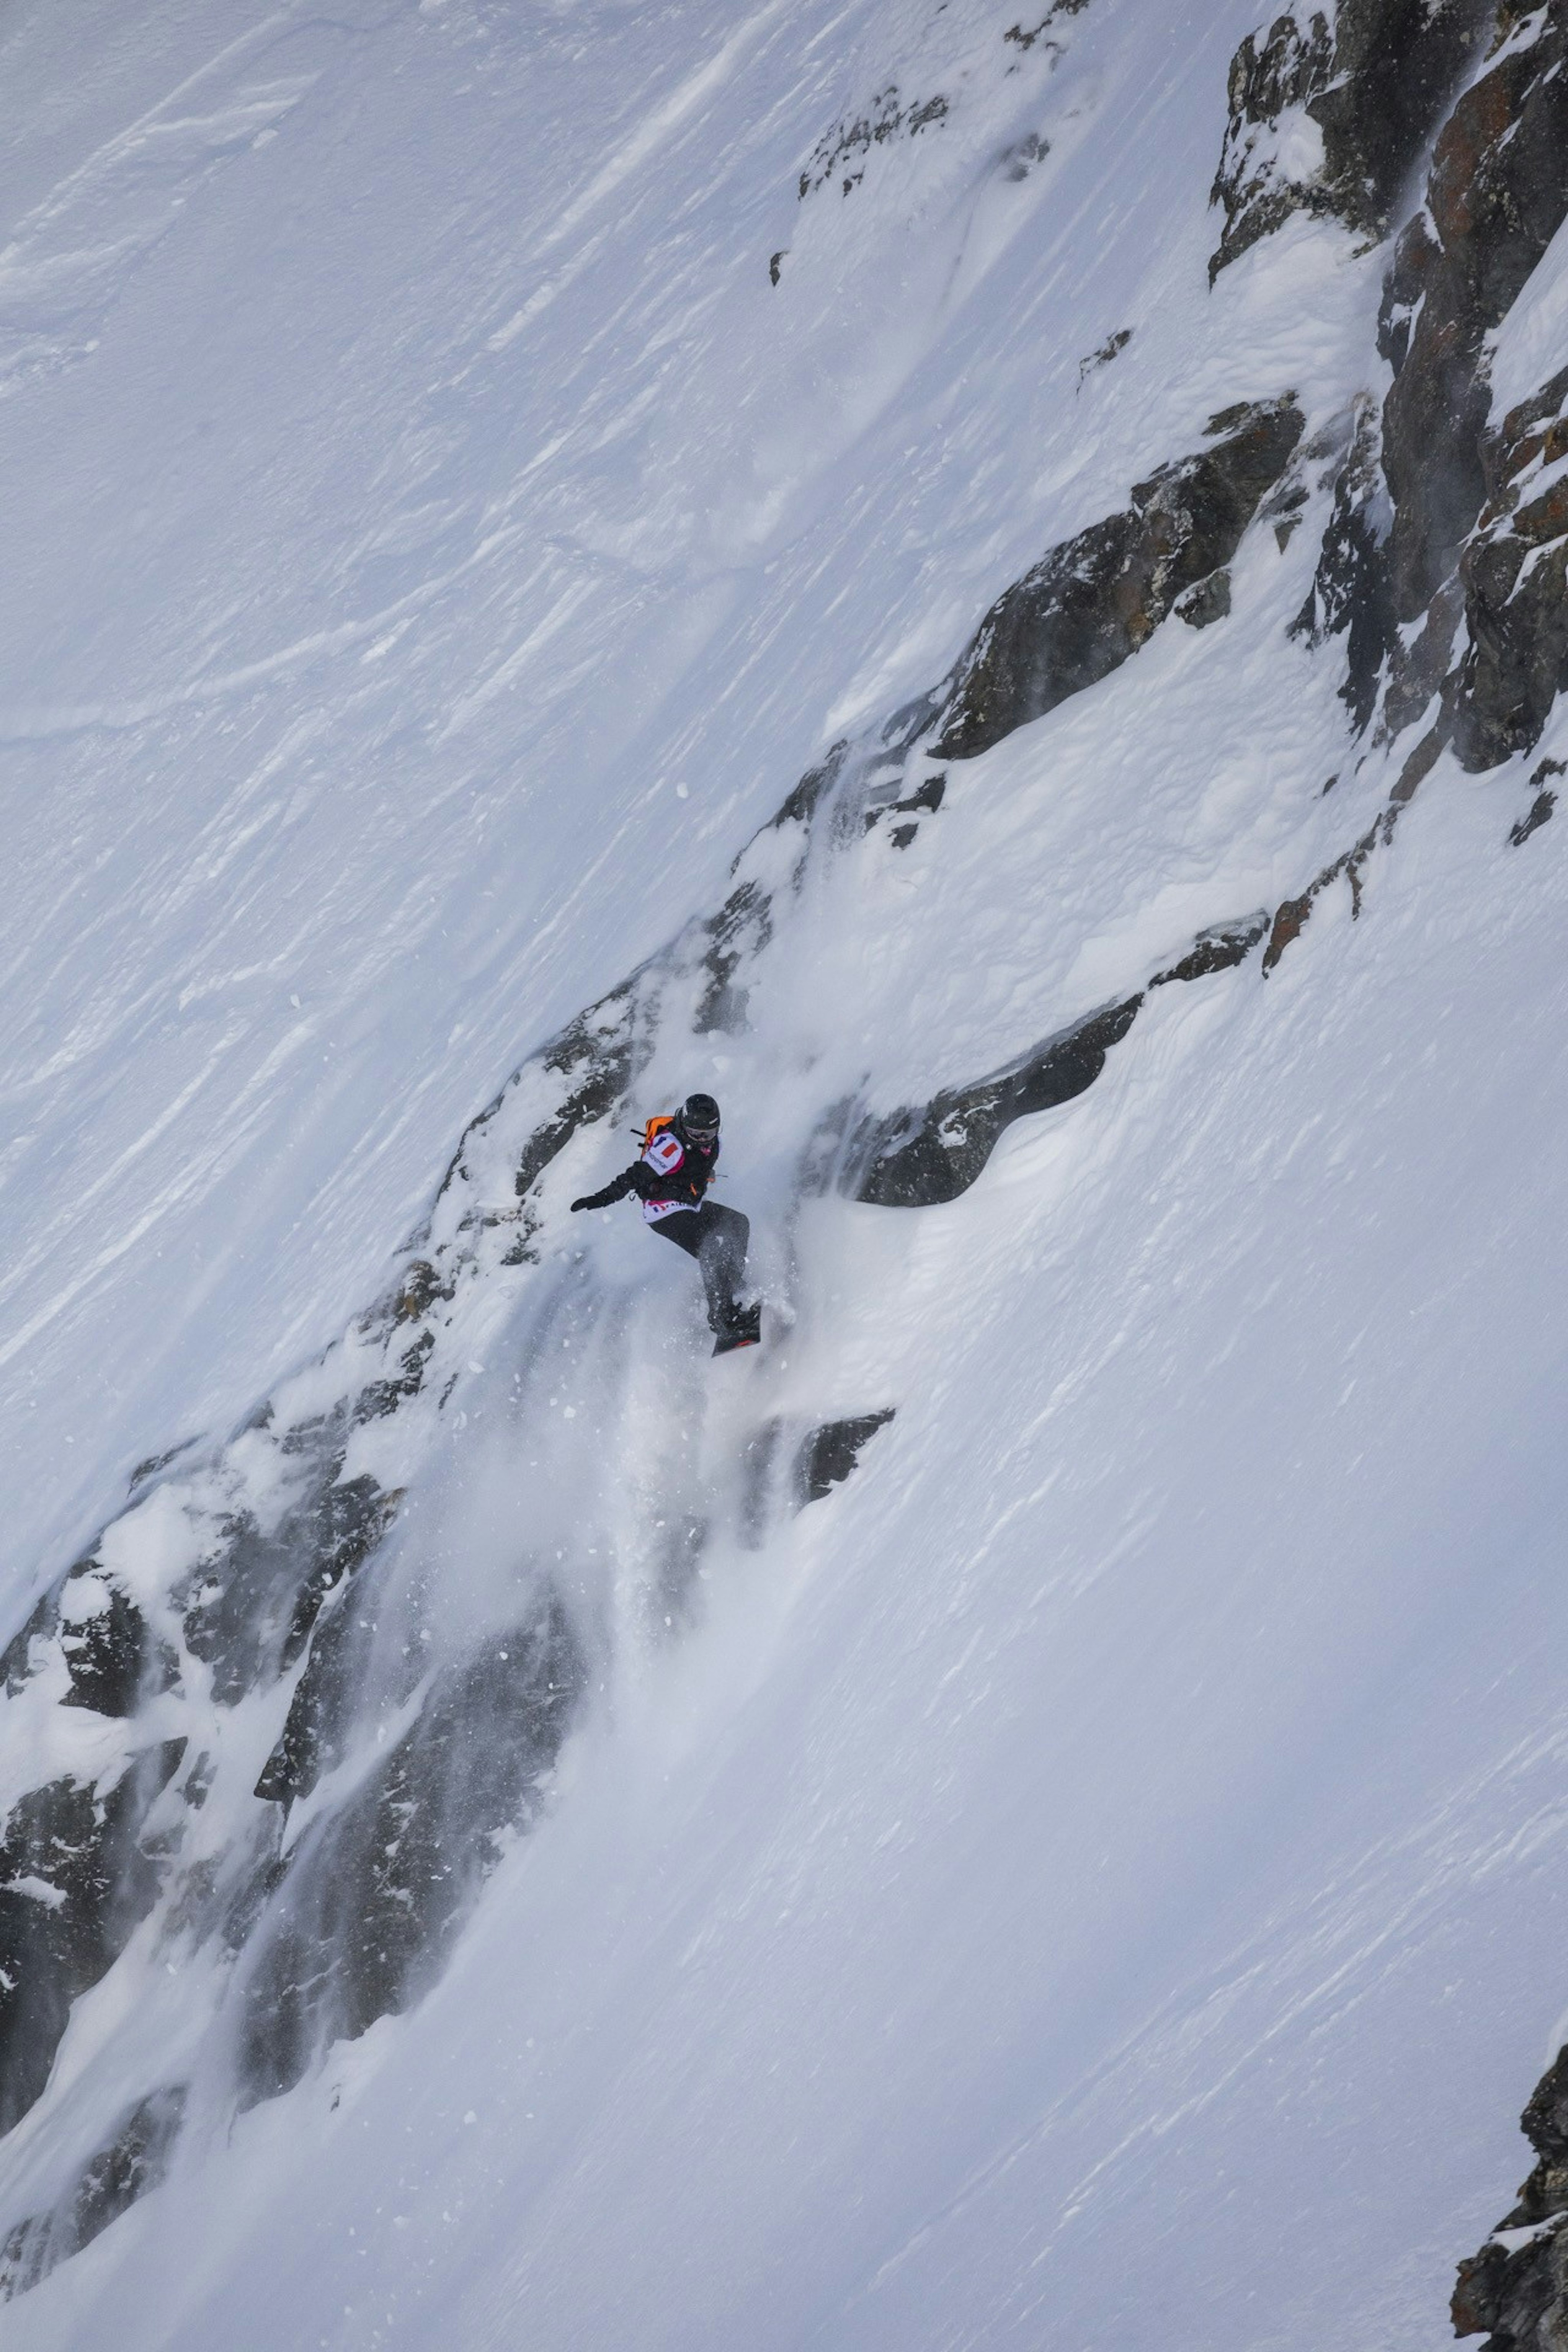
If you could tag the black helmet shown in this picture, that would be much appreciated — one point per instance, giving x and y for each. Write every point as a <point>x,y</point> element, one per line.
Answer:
<point>700,1118</point>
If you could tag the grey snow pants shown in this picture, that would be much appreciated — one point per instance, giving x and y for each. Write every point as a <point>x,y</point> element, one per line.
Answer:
<point>717,1238</point>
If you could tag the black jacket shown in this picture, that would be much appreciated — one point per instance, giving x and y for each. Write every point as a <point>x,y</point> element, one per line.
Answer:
<point>684,1179</point>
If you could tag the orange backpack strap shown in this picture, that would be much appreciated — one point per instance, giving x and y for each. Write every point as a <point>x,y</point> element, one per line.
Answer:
<point>656,1125</point>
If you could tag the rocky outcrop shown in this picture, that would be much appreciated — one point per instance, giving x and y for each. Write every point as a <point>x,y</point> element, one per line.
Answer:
<point>1209,602</point>
<point>132,2161</point>
<point>1515,578</point>
<point>1351,594</point>
<point>839,158</point>
<point>1329,110</point>
<point>1025,37</point>
<point>249,1615</point>
<point>1514,2291</point>
<point>917,1159</point>
<point>90,1624</point>
<point>1442,564</point>
<point>737,934</point>
<point>1219,949</point>
<point>1112,347</point>
<point>1350,867</point>
<point>840,154</point>
<point>1273,75</point>
<point>831,1453</point>
<point>320,1713</point>
<point>1291,918</point>
<point>75,1880</point>
<point>77,1875</point>
<point>1497,192</point>
<point>1541,808</point>
<point>387,1880</point>
<point>1089,605</point>
<point>903,816</point>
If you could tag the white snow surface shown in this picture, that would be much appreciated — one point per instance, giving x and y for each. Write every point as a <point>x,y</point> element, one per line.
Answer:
<point>1099,1878</point>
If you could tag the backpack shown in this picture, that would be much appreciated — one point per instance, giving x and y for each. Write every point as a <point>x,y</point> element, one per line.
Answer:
<point>656,1126</point>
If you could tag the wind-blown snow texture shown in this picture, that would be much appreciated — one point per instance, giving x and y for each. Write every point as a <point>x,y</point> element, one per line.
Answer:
<point>1032,1810</point>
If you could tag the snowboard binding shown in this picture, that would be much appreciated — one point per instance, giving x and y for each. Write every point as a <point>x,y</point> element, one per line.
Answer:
<point>743,1329</point>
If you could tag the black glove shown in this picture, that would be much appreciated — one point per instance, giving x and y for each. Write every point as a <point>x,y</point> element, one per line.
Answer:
<point>616,1190</point>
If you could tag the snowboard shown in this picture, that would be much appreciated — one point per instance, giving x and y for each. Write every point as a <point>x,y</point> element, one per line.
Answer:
<point>747,1332</point>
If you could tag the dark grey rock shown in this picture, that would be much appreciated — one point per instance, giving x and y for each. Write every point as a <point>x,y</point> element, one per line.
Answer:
<point>1540,810</point>
<point>320,1714</point>
<point>1419,669</point>
<point>841,153</point>
<point>156,1462</point>
<point>597,1055</point>
<point>1078,615</point>
<point>1270,74</point>
<point>1374,80</point>
<point>105,1653</point>
<point>1511,2297</point>
<point>800,805</point>
<point>1207,603</point>
<point>1350,595</point>
<point>830,1454</point>
<point>1220,949</point>
<point>1023,39</point>
<point>74,1884</point>
<point>361,1916</point>
<point>249,1611</point>
<point>379,1398</point>
<point>20,1658</point>
<point>1018,159</point>
<point>1108,349</point>
<point>917,1159</point>
<point>1514,575</point>
<point>925,800</point>
<point>130,2163</point>
<point>1541,807</point>
<point>421,1287</point>
<point>1396,64</point>
<point>1519,2295</point>
<point>341,1528</point>
<point>1291,917</point>
<point>1497,193</point>
<point>736,934</point>
<point>1447,579</point>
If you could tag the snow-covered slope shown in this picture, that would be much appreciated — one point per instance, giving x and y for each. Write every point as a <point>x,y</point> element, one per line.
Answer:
<point>523,1870</point>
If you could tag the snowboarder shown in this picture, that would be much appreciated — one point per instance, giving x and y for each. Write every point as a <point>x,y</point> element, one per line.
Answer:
<point>679,1161</point>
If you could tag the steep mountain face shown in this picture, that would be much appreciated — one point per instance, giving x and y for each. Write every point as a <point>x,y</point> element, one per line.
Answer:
<point>273,1737</point>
